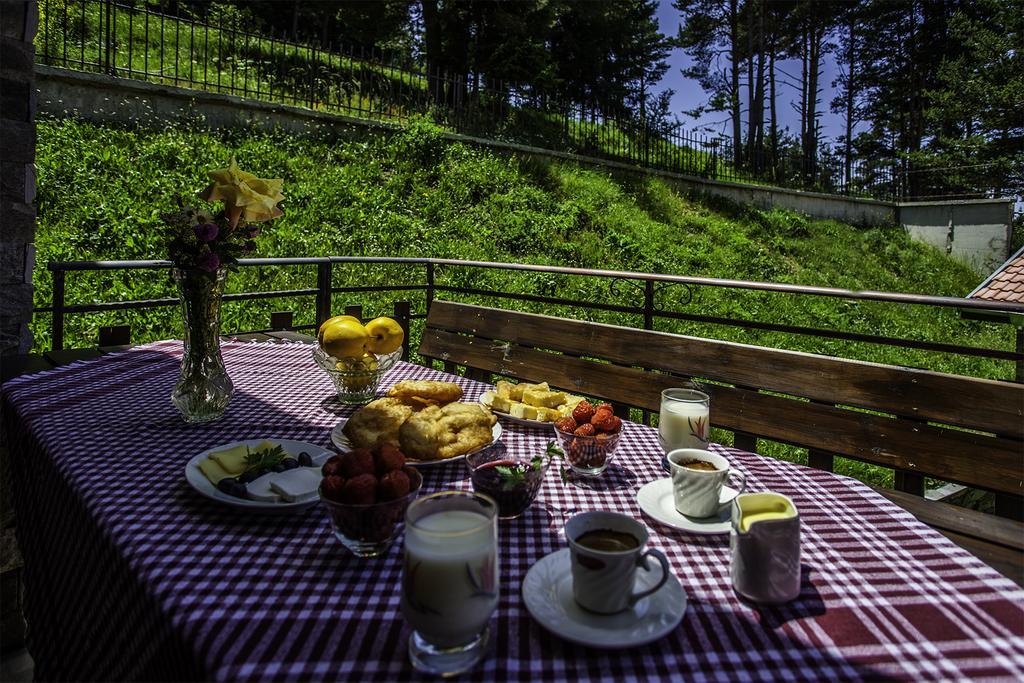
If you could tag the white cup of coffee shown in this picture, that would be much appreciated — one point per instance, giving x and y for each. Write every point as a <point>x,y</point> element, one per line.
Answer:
<point>606,549</point>
<point>697,480</point>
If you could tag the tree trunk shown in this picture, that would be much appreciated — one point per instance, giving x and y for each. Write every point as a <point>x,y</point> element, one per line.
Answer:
<point>851,56</point>
<point>734,68</point>
<point>774,117</point>
<point>758,103</point>
<point>750,86</point>
<point>432,49</point>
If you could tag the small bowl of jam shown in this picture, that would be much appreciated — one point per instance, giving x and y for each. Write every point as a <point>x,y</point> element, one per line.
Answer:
<point>512,480</point>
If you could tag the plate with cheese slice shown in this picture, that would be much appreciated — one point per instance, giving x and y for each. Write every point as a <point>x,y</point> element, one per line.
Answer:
<point>531,405</point>
<point>260,475</point>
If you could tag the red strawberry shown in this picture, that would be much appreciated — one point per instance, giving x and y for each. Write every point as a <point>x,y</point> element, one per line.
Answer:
<point>585,430</point>
<point>333,487</point>
<point>361,490</point>
<point>393,485</point>
<point>566,424</point>
<point>583,412</point>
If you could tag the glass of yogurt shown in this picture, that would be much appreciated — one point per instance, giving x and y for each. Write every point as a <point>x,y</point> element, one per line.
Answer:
<point>685,419</point>
<point>450,579</point>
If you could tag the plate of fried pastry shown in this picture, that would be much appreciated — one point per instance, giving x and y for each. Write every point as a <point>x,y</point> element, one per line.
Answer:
<point>424,419</point>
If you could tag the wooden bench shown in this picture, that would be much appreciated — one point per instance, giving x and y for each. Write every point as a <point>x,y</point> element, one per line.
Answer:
<point>919,423</point>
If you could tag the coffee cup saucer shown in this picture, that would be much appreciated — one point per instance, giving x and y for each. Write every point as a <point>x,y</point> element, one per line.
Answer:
<point>547,592</point>
<point>658,503</point>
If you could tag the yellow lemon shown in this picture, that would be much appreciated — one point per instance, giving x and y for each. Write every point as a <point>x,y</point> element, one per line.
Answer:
<point>344,339</point>
<point>329,322</point>
<point>386,335</point>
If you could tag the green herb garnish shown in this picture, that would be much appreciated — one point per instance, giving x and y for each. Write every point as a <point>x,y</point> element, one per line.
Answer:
<point>264,459</point>
<point>510,477</point>
<point>516,476</point>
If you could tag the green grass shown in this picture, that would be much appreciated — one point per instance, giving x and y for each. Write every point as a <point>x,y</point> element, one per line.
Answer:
<point>102,189</point>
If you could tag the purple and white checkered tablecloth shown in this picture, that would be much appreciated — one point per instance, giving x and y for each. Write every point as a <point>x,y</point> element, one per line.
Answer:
<point>131,574</point>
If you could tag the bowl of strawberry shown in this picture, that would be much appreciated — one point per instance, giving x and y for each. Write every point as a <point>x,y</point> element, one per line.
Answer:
<point>589,437</point>
<point>365,493</point>
<point>512,480</point>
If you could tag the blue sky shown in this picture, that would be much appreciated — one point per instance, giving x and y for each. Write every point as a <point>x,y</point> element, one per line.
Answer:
<point>688,94</point>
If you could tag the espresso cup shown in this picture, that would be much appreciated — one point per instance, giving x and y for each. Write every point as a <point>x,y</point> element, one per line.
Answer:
<point>604,566</point>
<point>697,492</point>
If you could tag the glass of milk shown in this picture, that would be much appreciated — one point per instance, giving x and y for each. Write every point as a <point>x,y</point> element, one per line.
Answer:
<point>685,419</point>
<point>450,579</point>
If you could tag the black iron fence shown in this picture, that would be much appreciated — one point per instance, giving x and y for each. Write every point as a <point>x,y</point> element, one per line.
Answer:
<point>646,300</point>
<point>132,40</point>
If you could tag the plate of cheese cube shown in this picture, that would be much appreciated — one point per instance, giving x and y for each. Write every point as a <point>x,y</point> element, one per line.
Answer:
<point>533,405</point>
<point>268,475</point>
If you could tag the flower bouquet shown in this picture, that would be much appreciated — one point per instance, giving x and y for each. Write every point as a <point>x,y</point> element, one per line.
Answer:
<point>203,246</point>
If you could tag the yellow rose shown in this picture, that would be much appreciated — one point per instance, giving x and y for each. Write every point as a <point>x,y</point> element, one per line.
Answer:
<point>244,195</point>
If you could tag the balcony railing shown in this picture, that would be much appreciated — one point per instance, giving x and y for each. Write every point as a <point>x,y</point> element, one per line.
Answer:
<point>629,298</point>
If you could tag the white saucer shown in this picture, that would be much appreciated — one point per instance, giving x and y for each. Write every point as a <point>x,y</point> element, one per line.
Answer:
<point>342,443</point>
<point>547,591</point>
<point>202,485</point>
<point>656,501</point>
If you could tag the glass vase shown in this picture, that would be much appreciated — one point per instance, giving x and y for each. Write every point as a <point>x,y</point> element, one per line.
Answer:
<point>204,389</point>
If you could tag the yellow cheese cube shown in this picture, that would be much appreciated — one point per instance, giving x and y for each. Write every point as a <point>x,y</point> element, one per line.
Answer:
<point>548,414</point>
<point>544,399</point>
<point>503,389</point>
<point>523,411</point>
<point>572,400</point>
<point>502,405</point>
<point>212,470</point>
<point>231,460</point>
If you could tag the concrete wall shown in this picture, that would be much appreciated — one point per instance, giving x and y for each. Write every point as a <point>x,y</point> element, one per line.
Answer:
<point>976,232</point>
<point>974,237</point>
<point>18,22</point>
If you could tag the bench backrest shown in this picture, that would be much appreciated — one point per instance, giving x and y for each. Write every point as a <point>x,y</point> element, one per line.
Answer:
<point>959,429</point>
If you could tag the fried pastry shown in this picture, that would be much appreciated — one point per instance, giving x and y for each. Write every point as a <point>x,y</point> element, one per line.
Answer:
<point>439,433</point>
<point>419,393</point>
<point>377,423</point>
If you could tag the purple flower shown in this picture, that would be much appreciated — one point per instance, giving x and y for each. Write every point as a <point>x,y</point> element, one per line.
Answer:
<point>209,261</point>
<point>249,246</point>
<point>253,231</point>
<point>206,232</point>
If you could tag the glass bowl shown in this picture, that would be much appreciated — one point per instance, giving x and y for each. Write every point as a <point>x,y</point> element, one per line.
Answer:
<point>359,384</point>
<point>588,455</point>
<point>369,530</point>
<point>514,486</point>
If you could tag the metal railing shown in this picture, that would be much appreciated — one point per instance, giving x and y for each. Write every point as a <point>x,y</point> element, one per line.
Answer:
<point>132,40</point>
<point>637,295</point>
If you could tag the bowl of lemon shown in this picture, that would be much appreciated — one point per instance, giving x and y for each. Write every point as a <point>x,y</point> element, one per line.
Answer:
<point>356,356</point>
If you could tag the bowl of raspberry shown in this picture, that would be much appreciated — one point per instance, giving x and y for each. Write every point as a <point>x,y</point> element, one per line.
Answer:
<point>589,437</point>
<point>365,493</point>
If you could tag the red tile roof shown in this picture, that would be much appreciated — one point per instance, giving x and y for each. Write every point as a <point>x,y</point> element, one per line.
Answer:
<point>1006,284</point>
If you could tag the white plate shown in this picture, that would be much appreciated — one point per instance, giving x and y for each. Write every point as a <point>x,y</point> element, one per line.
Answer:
<point>342,443</point>
<point>535,424</point>
<point>547,591</point>
<point>656,501</point>
<point>201,484</point>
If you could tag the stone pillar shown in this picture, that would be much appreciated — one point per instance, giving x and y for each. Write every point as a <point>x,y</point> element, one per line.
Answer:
<point>18,22</point>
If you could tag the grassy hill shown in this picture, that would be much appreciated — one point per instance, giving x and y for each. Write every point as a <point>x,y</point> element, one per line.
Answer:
<point>102,189</point>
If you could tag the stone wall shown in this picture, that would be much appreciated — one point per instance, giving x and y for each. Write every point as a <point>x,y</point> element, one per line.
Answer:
<point>18,22</point>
